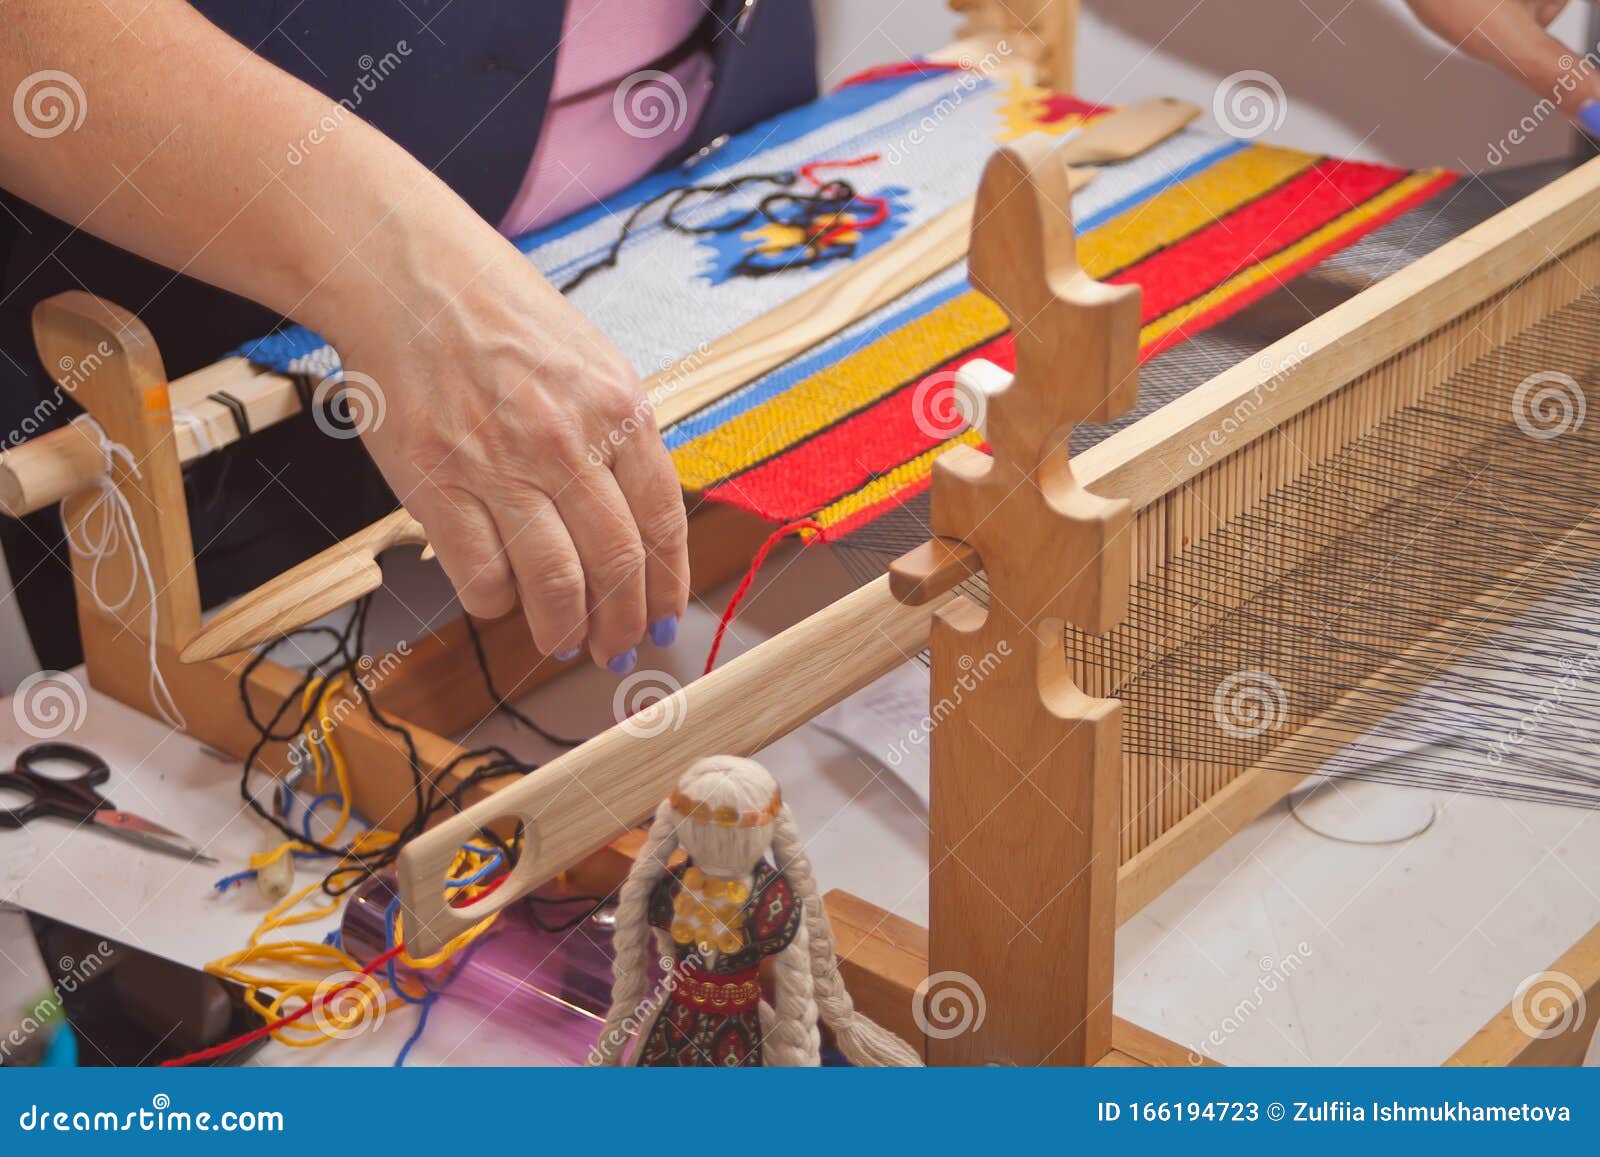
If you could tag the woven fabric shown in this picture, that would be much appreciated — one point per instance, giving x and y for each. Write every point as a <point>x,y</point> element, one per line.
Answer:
<point>852,430</point>
<point>672,292</point>
<point>1204,224</point>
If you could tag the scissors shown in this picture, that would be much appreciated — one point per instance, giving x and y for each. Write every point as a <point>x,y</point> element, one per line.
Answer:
<point>72,797</point>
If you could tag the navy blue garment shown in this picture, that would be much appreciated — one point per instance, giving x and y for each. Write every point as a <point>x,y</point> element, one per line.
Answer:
<point>466,100</point>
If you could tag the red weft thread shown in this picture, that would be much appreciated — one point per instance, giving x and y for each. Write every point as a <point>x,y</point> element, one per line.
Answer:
<point>255,1034</point>
<point>879,205</point>
<point>900,68</point>
<point>777,536</point>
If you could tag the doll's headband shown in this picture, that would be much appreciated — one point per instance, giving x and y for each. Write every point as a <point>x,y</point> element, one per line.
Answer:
<point>726,817</point>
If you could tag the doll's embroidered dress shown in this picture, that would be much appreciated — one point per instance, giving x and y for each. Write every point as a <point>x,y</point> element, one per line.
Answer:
<point>721,930</point>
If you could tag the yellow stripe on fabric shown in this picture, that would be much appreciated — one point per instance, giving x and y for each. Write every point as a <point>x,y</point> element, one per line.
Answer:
<point>1259,271</point>
<point>1187,207</point>
<point>843,388</point>
<point>886,485</point>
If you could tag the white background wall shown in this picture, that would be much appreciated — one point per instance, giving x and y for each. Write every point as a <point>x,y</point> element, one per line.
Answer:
<point>1361,77</point>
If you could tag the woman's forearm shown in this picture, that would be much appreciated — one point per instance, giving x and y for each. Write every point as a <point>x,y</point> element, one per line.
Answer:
<point>515,430</point>
<point>183,155</point>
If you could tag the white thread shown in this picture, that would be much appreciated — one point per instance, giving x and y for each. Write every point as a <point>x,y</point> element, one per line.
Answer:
<point>197,427</point>
<point>118,527</point>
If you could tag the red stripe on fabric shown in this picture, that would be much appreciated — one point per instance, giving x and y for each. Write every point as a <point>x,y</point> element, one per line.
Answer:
<point>1254,232</point>
<point>1225,309</point>
<point>878,439</point>
<point>1057,107</point>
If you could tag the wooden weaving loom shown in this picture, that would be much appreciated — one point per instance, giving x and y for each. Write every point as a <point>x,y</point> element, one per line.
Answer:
<point>1062,546</point>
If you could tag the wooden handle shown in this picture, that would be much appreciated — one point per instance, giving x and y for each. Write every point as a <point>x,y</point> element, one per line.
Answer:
<point>1124,133</point>
<point>593,793</point>
<point>318,586</point>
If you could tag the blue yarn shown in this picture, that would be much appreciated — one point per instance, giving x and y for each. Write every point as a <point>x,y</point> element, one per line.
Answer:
<point>492,865</point>
<point>416,1033</point>
<point>390,916</point>
<point>326,797</point>
<point>227,882</point>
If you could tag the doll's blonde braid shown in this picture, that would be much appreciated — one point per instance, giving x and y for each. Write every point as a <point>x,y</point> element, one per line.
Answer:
<point>633,937</point>
<point>860,1039</point>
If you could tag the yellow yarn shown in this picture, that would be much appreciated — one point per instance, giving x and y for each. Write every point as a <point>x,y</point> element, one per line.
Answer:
<point>298,972</point>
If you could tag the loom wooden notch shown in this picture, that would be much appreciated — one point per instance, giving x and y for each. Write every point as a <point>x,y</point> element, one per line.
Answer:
<point>1025,766</point>
<point>318,586</point>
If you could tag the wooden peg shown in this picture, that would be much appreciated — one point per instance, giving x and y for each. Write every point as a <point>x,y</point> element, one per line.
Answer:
<point>1026,768</point>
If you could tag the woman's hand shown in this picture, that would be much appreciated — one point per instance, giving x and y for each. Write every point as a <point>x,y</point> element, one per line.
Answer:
<point>512,429</point>
<point>1510,34</point>
<point>519,437</point>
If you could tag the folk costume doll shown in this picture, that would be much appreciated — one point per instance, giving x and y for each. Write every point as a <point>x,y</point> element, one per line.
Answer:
<point>711,920</point>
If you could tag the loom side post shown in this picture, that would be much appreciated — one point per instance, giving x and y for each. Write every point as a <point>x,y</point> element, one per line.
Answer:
<point>1026,768</point>
<point>108,361</point>
<point>105,358</point>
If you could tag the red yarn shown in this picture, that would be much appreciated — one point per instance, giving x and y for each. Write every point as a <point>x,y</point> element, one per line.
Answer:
<point>880,205</point>
<point>900,68</point>
<point>255,1034</point>
<point>773,540</point>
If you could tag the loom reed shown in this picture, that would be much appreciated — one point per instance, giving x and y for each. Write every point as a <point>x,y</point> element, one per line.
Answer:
<point>1392,612</point>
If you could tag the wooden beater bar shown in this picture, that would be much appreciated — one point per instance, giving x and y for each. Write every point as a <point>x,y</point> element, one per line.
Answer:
<point>1023,253</point>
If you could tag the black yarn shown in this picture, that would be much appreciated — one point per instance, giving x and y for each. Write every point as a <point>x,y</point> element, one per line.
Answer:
<point>429,800</point>
<point>501,703</point>
<point>592,904</point>
<point>832,197</point>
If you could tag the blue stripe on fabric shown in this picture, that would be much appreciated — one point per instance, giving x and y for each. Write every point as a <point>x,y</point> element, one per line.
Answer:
<point>791,374</point>
<point>1176,177</point>
<point>794,372</point>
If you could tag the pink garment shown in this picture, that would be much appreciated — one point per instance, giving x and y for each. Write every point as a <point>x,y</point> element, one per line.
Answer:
<point>621,100</point>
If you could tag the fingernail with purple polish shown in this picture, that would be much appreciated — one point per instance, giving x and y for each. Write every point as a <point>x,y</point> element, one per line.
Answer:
<point>624,662</point>
<point>664,632</point>
<point>563,656</point>
<point>1589,117</point>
